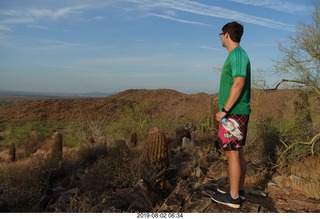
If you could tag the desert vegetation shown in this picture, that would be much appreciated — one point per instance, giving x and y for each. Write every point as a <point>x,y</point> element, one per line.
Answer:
<point>93,159</point>
<point>95,156</point>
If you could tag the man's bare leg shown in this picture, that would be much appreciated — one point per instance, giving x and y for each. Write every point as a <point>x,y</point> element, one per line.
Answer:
<point>243,168</point>
<point>234,171</point>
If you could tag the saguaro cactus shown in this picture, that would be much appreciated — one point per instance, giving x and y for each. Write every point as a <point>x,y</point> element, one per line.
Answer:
<point>12,152</point>
<point>157,147</point>
<point>57,147</point>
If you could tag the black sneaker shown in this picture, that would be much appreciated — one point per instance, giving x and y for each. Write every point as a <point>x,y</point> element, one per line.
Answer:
<point>224,190</point>
<point>226,199</point>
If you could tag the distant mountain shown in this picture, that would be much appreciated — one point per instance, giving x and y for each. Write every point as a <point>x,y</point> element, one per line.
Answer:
<point>54,95</point>
<point>95,94</point>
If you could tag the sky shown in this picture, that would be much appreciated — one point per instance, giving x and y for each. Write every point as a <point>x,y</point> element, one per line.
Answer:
<point>78,46</point>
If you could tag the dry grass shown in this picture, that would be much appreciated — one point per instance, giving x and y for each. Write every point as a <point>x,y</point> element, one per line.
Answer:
<point>106,169</point>
<point>308,175</point>
<point>114,171</point>
<point>24,182</point>
<point>302,176</point>
<point>96,170</point>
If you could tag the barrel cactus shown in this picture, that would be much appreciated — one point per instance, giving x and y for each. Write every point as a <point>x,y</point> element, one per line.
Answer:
<point>157,147</point>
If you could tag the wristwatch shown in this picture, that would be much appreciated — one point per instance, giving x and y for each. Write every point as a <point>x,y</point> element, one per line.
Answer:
<point>225,111</point>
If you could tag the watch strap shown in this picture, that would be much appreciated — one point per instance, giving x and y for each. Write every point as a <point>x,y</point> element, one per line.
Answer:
<point>225,111</point>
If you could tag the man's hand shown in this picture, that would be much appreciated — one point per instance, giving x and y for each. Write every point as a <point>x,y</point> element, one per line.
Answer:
<point>220,115</point>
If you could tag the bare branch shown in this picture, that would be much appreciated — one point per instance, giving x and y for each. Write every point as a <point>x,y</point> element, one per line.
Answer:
<point>313,87</point>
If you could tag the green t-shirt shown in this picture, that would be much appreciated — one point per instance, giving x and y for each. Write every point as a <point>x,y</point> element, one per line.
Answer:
<point>237,64</point>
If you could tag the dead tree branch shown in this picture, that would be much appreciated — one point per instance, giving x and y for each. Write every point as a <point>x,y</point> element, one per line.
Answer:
<point>313,87</point>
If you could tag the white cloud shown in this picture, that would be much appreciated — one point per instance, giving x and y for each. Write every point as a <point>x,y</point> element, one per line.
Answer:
<point>37,13</point>
<point>16,21</point>
<point>62,12</point>
<point>164,9</point>
<point>54,13</point>
<point>55,44</point>
<point>33,16</point>
<point>210,48</point>
<point>177,19</point>
<point>283,6</point>
<point>99,18</point>
<point>38,27</point>
<point>207,10</point>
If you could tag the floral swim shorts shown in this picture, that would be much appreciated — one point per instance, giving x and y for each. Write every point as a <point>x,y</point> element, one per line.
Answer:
<point>230,140</point>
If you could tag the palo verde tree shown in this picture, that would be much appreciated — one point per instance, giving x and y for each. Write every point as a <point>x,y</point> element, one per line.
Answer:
<point>300,62</point>
<point>301,54</point>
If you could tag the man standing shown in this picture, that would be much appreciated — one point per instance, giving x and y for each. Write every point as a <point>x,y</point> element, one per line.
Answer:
<point>234,104</point>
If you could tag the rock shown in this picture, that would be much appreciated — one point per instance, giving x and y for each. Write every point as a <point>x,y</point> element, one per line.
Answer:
<point>186,143</point>
<point>297,180</point>
<point>185,131</point>
<point>270,183</point>
<point>218,170</point>
<point>287,190</point>
<point>198,172</point>
<point>250,207</point>
<point>139,199</point>
<point>281,205</point>
<point>207,186</point>
<point>4,207</point>
<point>279,180</point>
<point>44,202</point>
<point>186,171</point>
<point>255,191</point>
<point>263,210</point>
<point>177,197</point>
<point>65,197</point>
<point>273,190</point>
<point>197,203</point>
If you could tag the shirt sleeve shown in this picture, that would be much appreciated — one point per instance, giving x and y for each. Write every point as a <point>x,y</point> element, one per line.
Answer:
<point>239,62</point>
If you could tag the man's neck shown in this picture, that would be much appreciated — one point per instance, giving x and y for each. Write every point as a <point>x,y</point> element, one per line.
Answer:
<point>232,46</point>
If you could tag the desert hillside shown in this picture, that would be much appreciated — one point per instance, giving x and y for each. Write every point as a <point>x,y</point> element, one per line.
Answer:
<point>169,103</point>
<point>104,160</point>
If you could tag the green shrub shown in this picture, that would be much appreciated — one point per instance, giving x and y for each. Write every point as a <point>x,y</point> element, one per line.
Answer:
<point>269,136</point>
<point>285,141</point>
<point>28,135</point>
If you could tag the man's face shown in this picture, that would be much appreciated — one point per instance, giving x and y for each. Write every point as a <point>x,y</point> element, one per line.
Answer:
<point>223,36</point>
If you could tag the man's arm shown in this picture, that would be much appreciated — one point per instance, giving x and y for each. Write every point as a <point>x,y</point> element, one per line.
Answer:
<point>235,91</point>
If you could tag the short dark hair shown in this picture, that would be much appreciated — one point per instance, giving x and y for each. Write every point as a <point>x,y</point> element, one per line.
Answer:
<point>234,29</point>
